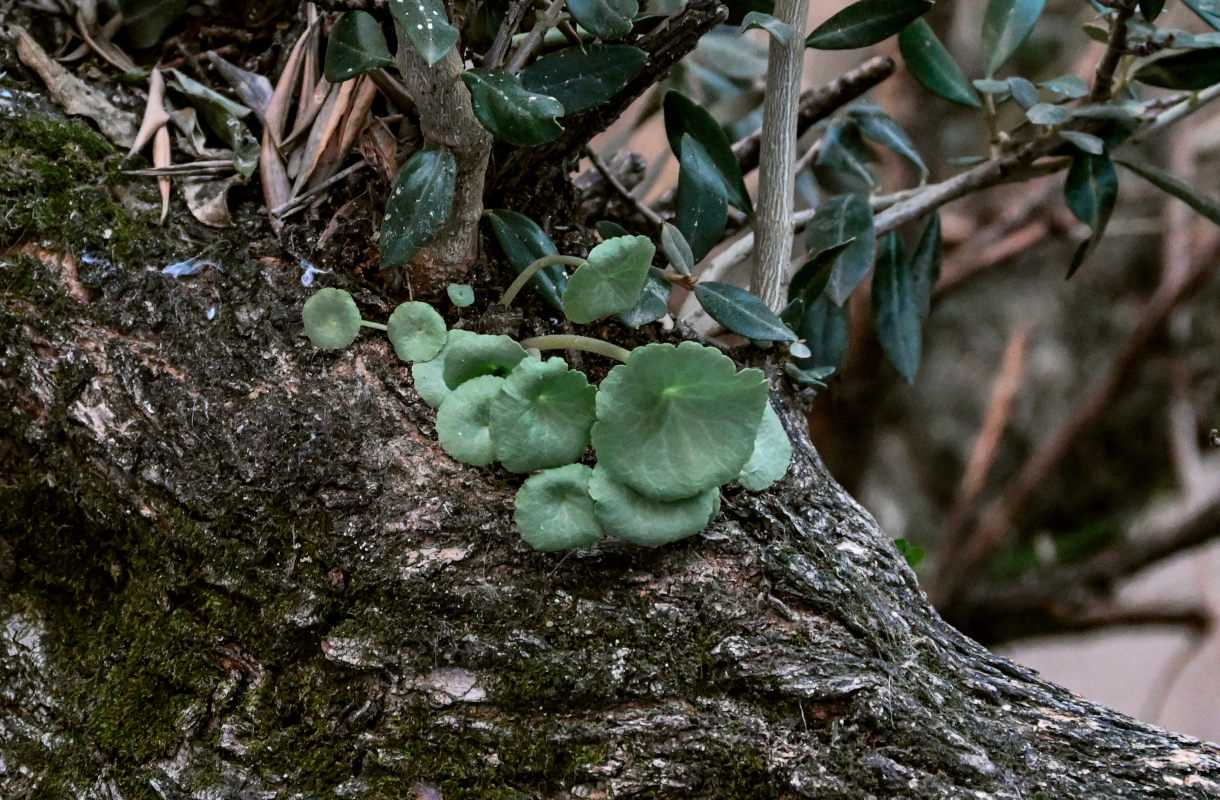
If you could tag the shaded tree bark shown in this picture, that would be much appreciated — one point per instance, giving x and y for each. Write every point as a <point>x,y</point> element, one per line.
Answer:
<point>240,567</point>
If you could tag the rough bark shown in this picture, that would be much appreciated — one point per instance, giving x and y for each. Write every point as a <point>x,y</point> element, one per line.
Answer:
<point>240,567</point>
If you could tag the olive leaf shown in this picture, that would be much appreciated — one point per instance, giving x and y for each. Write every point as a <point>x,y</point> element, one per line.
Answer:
<point>866,22</point>
<point>897,308</point>
<point>1006,26</point>
<point>606,19</point>
<point>524,242</point>
<point>741,312</point>
<point>836,220</point>
<point>1091,189</point>
<point>931,64</point>
<point>702,206</point>
<point>684,116</point>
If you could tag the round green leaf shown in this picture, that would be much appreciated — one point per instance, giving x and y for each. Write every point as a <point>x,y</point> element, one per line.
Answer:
<point>416,331</point>
<point>463,422</point>
<point>419,205</point>
<point>653,303</point>
<point>932,65</point>
<point>627,514</point>
<point>866,22</point>
<point>465,355</point>
<point>610,280</point>
<point>331,318</point>
<point>427,27</point>
<point>741,312</point>
<point>771,456</point>
<point>542,417</point>
<point>554,511</point>
<point>461,294</point>
<point>581,79</point>
<point>509,111</point>
<point>676,421</point>
<point>606,19</point>
<point>356,46</point>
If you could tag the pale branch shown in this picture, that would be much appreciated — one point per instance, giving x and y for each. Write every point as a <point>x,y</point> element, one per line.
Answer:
<point>777,153</point>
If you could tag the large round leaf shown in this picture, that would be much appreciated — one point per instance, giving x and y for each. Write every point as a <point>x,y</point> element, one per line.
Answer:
<point>416,331</point>
<point>472,355</point>
<point>542,417</point>
<point>509,111</point>
<point>582,78</point>
<point>772,454</point>
<point>673,422</point>
<point>419,205</point>
<point>627,514</point>
<point>331,318</point>
<point>356,46</point>
<point>463,423</point>
<point>610,280</point>
<point>554,510</point>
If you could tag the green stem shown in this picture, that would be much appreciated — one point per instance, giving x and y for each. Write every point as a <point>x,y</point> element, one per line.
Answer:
<point>510,293</point>
<point>565,341</point>
<point>377,326</point>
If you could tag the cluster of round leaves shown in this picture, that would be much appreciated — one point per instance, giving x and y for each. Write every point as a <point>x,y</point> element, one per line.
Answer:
<point>668,427</point>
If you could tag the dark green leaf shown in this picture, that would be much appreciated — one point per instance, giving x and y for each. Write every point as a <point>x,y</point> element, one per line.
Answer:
<point>780,31</point>
<point>1086,142</point>
<point>1006,26</point>
<point>814,377</point>
<point>356,46</point>
<point>1091,189</point>
<point>523,243</point>
<point>653,303</point>
<point>683,116</point>
<point>702,208</point>
<point>610,281</point>
<point>813,276</point>
<point>896,309</point>
<point>610,230</point>
<point>1189,71</point>
<point>791,314</point>
<point>606,19</point>
<point>147,20</point>
<point>582,79</point>
<point>419,205</point>
<point>741,312</point>
<point>509,111</point>
<point>932,65</point>
<point>1204,204</point>
<point>824,327</point>
<point>843,150</point>
<point>1070,86</point>
<point>876,125</point>
<point>866,22</point>
<point>1151,9</point>
<point>738,9</point>
<point>426,26</point>
<point>1207,10</point>
<point>925,265</point>
<point>838,219</point>
<point>913,553</point>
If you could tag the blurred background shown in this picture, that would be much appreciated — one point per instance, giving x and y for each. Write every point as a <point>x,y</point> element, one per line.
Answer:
<point>1052,470</point>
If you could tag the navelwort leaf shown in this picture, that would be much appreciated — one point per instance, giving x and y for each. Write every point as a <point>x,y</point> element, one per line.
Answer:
<point>460,294</point>
<point>332,320</point>
<point>772,454</point>
<point>524,242</point>
<point>606,19</point>
<point>509,111</point>
<point>653,303</point>
<point>416,331</point>
<point>702,206</point>
<point>866,22</point>
<point>581,79</point>
<point>465,355</point>
<point>676,421</point>
<point>553,509</point>
<point>426,26</point>
<point>741,312</point>
<point>356,46</point>
<point>419,205</point>
<point>463,422</point>
<point>896,308</point>
<point>1006,26</point>
<point>542,416</point>
<point>931,64</point>
<point>626,514</point>
<point>610,280</point>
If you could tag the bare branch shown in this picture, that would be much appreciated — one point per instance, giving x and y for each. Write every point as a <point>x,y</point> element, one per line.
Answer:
<point>1116,47</point>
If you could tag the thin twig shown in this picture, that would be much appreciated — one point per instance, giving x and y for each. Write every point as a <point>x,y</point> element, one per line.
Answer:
<point>617,185</point>
<point>1116,48</point>
<point>534,38</point>
<point>504,36</point>
<point>302,200</point>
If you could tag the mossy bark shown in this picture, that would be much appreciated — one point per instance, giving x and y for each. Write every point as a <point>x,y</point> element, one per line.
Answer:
<point>241,567</point>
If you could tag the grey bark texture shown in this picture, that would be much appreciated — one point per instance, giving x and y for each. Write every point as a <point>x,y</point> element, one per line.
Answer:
<point>235,566</point>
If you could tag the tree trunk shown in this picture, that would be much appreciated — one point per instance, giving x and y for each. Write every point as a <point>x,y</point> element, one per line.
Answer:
<point>241,567</point>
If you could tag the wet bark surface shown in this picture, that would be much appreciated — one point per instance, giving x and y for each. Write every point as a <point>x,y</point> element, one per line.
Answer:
<point>235,566</point>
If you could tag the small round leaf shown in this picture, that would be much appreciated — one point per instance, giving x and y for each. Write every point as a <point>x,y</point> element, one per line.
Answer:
<point>477,354</point>
<point>554,510</point>
<point>772,454</point>
<point>673,422</point>
<point>429,376</point>
<point>610,280</point>
<point>416,331</point>
<point>461,294</point>
<point>332,320</point>
<point>463,423</point>
<point>627,514</point>
<point>542,417</point>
